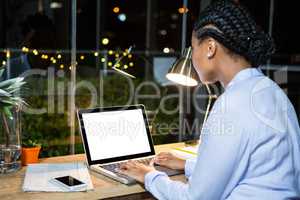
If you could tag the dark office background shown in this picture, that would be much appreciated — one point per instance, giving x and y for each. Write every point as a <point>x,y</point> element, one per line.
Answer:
<point>165,26</point>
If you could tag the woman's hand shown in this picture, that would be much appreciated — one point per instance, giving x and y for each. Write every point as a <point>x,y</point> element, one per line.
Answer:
<point>169,160</point>
<point>136,170</point>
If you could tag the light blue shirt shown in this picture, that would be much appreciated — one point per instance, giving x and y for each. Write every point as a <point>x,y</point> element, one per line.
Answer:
<point>250,147</point>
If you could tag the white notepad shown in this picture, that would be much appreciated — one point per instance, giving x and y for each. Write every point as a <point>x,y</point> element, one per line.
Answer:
<point>38,176</point>
<point>189,152</point>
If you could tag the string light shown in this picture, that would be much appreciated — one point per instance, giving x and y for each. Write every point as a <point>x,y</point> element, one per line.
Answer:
<point>54,58</point>
<point>183,10</point>
<point>116,9</point>
<point>166,50</point>
<point>44,56</point>
<point>25,49</point>
<point>8,54</point>
<point>122,17</point>
<point>35,52</point>
<point>105,41</point>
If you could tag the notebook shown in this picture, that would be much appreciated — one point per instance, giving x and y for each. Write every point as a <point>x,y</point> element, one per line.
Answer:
<point>38,177</point>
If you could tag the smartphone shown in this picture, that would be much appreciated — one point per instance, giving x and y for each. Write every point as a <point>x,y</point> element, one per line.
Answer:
<point>69,182</point>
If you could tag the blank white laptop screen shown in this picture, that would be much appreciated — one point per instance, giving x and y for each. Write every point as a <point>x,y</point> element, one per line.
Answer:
<point>113,134</point>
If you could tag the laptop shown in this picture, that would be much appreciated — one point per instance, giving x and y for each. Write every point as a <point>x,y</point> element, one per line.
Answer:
<point>113,135</point>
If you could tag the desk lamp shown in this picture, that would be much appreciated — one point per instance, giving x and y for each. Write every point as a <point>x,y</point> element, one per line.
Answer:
<point>182,72</point>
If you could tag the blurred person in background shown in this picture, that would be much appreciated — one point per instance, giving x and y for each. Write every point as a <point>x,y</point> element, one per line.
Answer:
<point>39,33</point>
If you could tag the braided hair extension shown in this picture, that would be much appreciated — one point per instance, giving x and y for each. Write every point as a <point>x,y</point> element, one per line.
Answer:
<point>231,25</point>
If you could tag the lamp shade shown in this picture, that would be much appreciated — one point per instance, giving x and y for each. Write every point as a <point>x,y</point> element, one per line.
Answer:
<point>182,71</point>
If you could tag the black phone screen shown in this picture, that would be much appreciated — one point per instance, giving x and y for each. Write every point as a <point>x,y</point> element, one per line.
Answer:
<point>69,180</point>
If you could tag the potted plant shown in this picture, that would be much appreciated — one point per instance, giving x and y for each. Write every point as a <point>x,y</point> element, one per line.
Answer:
<point>30,151</point>
<point>10,105</point>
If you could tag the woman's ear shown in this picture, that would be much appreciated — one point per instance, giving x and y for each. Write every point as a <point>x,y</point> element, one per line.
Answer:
<point>211,48</point>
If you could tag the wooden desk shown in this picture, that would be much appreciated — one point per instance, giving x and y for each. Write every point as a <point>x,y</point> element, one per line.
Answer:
<point>11,184</point>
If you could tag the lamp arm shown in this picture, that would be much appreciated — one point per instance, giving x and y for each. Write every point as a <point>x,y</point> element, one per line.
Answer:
<point>208,89</point>
<point>207,109</point>
<point>210,98</point>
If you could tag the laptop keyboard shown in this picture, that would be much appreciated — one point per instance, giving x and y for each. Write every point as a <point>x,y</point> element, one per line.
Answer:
<point>115,166</point>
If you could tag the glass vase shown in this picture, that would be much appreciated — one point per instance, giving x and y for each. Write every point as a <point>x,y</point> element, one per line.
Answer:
<point>10,142</point>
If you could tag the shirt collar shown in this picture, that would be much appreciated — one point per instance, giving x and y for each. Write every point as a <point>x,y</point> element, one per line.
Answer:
<point>244,74</point>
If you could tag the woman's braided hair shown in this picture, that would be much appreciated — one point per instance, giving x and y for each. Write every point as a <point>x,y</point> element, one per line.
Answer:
<point>236,30</point>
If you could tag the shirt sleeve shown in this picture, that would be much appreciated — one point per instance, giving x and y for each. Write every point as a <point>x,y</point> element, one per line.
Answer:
<point>155,182</point>
<point>189,167</point>
<point>212,171</point>
<point>218,156</point>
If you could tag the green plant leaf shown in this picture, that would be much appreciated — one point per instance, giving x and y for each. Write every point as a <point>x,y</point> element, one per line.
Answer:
<point>9,91</point>
<point>8,102</point>
<point>9,82</point>
<point>4,93</point>
<point>7,112</point>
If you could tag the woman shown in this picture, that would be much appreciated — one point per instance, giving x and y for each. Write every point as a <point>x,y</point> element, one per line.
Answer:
<point>250,143</point>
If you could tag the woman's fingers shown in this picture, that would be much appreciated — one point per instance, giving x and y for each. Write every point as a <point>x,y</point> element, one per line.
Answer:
<point>126,165</point>
<point>162,161</point>
<point>164,154</point>
<point>152,161</point>
<point>123,167</point>
<point>129,165</point>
